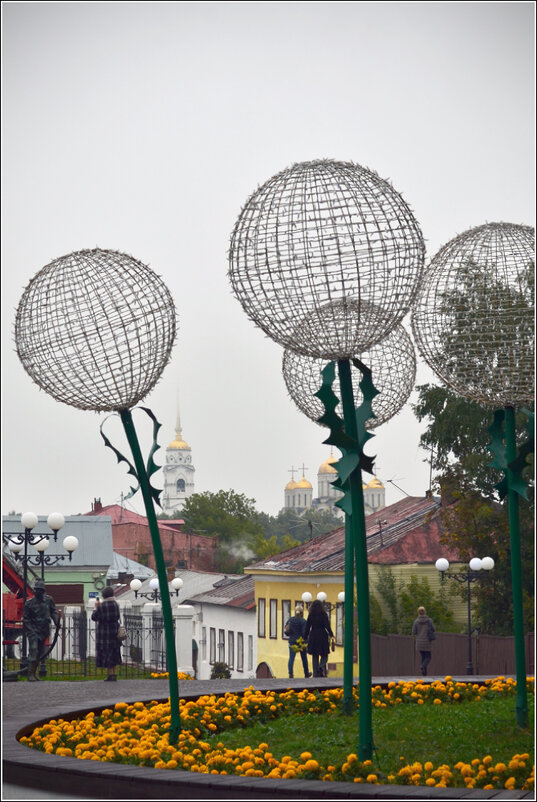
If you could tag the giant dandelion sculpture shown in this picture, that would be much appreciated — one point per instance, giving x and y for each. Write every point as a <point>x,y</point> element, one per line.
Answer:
<point>473,324</point>
<point>326,258</point>
<point>95,330</point>
<point>392,362</point>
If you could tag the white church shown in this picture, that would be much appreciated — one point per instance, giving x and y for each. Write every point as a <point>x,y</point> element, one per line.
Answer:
<point>178,472</point>
<point>299,495</point>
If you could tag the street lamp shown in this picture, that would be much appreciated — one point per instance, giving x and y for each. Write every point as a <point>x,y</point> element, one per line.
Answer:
<point>18,542</point>
<point>154,595</point>
<point>476,565</point>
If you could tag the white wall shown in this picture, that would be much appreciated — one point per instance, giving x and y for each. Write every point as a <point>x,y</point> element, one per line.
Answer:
<point>222,618</point>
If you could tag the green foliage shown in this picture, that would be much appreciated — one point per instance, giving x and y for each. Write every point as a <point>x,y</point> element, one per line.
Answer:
<point>246,535</point>
<point>474,523</point>
<point>233,518</point>
<point>401,600</point>
<point>475,526</point>
<point>300,528</point>
<point>220,671</point>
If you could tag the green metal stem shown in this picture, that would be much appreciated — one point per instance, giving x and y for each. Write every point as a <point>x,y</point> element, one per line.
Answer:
<point>171,658</point>
<point>516,574</point>
<point>365,737</point>
<point>348,633</point>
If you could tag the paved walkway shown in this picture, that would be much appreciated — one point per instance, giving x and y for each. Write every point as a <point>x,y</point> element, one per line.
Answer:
<point>32,775</point>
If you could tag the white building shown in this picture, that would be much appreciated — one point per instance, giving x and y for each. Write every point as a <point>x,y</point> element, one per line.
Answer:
<point>225,628</point>
<point>222,624</point>
<point>298,496</point>
<point>178,472</point>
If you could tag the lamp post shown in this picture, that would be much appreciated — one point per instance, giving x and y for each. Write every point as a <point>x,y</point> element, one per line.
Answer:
<point>154,595</point>
<point>18,542</point>
<point>475,565</point>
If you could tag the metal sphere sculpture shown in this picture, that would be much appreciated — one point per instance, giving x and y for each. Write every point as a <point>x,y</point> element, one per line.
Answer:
<point>392,362</point>
<point>473,318</point>
<point>95,329</point>
<point>316,244</point>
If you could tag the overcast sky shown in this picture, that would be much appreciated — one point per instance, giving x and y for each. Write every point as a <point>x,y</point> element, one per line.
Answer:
<point>144,127</point>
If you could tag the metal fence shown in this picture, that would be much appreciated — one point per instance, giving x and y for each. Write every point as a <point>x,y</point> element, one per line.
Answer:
<point>73,647</point>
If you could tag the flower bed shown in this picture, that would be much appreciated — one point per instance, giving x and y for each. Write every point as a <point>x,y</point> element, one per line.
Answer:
<point>138,734</point>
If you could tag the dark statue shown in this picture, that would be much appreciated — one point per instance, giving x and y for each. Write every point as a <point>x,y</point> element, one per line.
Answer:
<point>36,617</point>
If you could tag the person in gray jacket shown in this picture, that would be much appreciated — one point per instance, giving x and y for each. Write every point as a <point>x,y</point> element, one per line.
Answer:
<point>424,633</point>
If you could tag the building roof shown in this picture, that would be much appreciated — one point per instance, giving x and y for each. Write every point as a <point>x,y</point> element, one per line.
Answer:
<point>233,592</point>
<point>124,565</point>
<point>94,537</point>
<point>121,515</point>
<point>405,532</point>
<point>194,583</point>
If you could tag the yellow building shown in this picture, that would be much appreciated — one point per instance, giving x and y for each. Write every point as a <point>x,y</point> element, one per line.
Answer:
<point>407,539</point>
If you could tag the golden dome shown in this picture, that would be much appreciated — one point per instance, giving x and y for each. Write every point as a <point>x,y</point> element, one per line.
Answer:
<point>304,484</point>
<point>327,466</point>
<point>375,483</point>
<point>292,485</point>
<point>178,442</point>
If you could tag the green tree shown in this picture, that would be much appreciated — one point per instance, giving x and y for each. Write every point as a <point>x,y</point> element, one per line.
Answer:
<point>475,523</point>
<point>288,523</point>
<point>233,518</point>
<point>400,600</point>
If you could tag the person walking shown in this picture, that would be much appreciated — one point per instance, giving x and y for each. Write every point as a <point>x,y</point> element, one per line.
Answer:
<point>318,633</point>
<point>295,628</point>
<point>107,644</point>
<point>423,632</point>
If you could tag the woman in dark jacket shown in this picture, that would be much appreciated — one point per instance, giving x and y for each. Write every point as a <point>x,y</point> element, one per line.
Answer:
<point>424,633</point>
<point>107,644</point>
<point>318,632</point>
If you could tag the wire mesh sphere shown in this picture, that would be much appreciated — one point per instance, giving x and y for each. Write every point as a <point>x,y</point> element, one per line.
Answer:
<point>314,245</point>
<point>473,319</point>
<point>393,366</point>
<point>95,329</point>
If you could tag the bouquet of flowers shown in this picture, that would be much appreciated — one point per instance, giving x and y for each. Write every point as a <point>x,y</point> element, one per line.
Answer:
<point>300,645</point>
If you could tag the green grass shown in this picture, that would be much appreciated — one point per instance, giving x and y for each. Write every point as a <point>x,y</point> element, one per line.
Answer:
<point>441,734</point>
<point>71,671</point>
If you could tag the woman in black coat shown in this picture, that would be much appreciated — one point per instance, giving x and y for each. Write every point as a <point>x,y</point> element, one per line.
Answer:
<point>318,633</point>
<point>107,644</point>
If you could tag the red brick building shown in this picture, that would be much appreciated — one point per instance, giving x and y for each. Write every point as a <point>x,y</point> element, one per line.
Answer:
<point>131,538</point>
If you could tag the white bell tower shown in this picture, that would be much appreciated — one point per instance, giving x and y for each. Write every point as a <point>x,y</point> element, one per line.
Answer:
<point>178,472</point>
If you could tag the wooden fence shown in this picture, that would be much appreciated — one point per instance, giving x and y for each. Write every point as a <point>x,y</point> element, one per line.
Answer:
<point>395,655</point>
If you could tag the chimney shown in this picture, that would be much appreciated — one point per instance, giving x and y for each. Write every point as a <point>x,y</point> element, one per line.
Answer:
<point>96,506</point>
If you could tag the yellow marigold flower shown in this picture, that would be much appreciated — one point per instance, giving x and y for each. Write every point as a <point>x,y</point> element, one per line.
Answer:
<point>305,756</point>
<point>437,701</point>
<point>311,765</point>
<point>500,767</point>
<point>487,760</point>
<point>352,758</point>
<point>371,778</point>
<point>510,783</point>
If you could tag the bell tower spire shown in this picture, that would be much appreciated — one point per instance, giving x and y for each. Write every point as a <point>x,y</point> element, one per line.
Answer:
<point>178,470</point>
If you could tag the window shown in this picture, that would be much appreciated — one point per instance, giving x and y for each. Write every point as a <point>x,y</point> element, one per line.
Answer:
<point>261,618</point>
<point>328,611</point>
<point>286,615</point>
<point>212,645</point>
<point>250,652</point>
<point>231,649</point>
<point>273,618</point>
<point>340,607</point>
<point>221,646</point>
<point>204,643</point>
<point>181,486</point>
<point>240,651</point>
